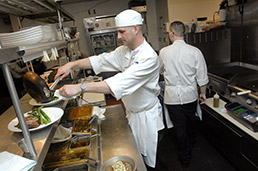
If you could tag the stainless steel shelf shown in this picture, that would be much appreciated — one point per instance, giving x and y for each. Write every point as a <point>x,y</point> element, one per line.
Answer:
<point>34,51</point>
<point>48,11</point>
<point>9,54</point>
<point>44,11</point>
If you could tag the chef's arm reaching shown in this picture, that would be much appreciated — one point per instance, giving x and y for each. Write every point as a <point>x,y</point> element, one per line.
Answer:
<point>203,94</point>
<point>67,68</point>
<point>71,90</point>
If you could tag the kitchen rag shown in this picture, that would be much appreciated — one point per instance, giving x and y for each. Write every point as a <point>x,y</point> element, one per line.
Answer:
<point>13,162</point>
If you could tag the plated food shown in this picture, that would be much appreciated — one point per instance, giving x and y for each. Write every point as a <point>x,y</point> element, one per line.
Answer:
<point>35,118</point>
<point>54,100</point>
<point>54,114</point>
<point>31,121</point>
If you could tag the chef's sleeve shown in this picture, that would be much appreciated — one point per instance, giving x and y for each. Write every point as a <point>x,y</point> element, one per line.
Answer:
<point>161,67</point>
<point>138,74</point>
<point>106,61</point>
<point>201,67</point>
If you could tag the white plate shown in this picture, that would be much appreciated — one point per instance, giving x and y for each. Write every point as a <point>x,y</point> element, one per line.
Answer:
<point>33,102</point>
<point>54,114</point>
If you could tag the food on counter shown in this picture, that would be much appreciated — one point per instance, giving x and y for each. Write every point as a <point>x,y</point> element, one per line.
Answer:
<point>31,121</point>
<point>81,126</point>
<point>120,166</point>
<point>239,110</point>
<point>35,118</point>
<point>84,111</point>
<point>66,157</point>
<point>80,141</point>
<point>53,97</point>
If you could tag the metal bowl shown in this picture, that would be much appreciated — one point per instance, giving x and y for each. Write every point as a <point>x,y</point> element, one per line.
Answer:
<point>112,160</point>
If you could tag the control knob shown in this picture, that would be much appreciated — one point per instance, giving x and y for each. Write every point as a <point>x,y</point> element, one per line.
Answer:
<point>249,101</point>
<point>233,94</point>
<point>97,25</point>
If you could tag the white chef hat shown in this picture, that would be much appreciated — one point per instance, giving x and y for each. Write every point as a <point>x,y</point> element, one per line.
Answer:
<point>128,18</point>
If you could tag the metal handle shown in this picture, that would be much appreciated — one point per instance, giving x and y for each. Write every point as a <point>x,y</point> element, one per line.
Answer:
<point>92,119</point>
<point>55,83</point>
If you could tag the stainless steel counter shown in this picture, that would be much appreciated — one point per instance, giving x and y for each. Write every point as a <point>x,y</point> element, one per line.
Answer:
<point>223,112</point>
<point>41,138</point>
<point>116,138</point>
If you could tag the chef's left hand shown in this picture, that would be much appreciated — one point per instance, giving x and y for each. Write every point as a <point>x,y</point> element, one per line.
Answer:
<point>202,98</point>
<point>70,90</point>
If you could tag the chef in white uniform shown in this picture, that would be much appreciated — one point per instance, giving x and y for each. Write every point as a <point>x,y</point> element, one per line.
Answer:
<point>136,84</point>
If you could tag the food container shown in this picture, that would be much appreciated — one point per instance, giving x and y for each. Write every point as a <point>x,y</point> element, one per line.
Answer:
<point>79,141</point>
<point>245,116</point>
<point>81,126</point>
<point>128,162</point>
<point>66,157</point>
<point>77,167</point>
<point>84,111</point>
<point>72,152</point>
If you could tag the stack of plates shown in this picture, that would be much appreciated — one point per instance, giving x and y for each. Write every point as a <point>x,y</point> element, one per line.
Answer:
<point>38,34</point>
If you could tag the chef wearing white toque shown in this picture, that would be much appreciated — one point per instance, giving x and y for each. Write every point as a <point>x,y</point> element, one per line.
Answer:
<point>136,83</point>
<point>128,18</point>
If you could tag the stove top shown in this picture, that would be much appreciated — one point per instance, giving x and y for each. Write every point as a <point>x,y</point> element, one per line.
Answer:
<point>235,74</point>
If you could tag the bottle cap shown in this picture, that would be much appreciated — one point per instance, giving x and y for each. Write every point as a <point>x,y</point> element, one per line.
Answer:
<point>216,95</point>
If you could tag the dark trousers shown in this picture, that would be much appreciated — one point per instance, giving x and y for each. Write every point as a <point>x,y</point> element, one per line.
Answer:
<point>180,117</point>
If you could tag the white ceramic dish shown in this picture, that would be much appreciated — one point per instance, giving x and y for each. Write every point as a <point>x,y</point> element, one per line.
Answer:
<point>33,102</point>
<point>54,114</point>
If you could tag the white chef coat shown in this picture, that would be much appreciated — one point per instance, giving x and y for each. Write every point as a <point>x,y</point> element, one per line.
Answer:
<point>137,86</point>
<point>184,67</point>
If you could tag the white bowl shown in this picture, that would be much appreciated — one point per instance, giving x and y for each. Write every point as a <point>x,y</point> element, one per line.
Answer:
<point>112,160</point>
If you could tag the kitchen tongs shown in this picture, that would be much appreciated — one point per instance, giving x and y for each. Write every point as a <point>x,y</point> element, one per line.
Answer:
<point>55,83</point>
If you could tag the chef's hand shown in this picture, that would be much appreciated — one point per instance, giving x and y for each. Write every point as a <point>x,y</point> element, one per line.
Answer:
<point>202,98</point>
<point>63,71</point>
<point>70,90</point>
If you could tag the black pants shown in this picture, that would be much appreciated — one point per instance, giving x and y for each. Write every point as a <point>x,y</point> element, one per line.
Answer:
<point>180,116</point>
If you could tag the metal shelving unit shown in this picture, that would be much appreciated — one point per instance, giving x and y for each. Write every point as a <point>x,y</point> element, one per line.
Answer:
<point>44,11</point>
<point>49,11</point>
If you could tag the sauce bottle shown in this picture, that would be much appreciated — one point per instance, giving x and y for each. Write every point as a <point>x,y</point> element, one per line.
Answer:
<point>216,100</point>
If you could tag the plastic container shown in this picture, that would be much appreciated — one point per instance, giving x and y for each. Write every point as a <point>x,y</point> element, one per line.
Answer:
<point>216,100</point>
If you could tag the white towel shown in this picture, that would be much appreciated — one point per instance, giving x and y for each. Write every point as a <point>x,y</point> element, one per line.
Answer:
<point>198,110</point>
<point>57,94</point>
<point>13,162</point>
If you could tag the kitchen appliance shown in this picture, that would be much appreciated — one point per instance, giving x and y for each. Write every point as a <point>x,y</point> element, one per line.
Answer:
<point>236,83</point>
<point>102,35</point>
